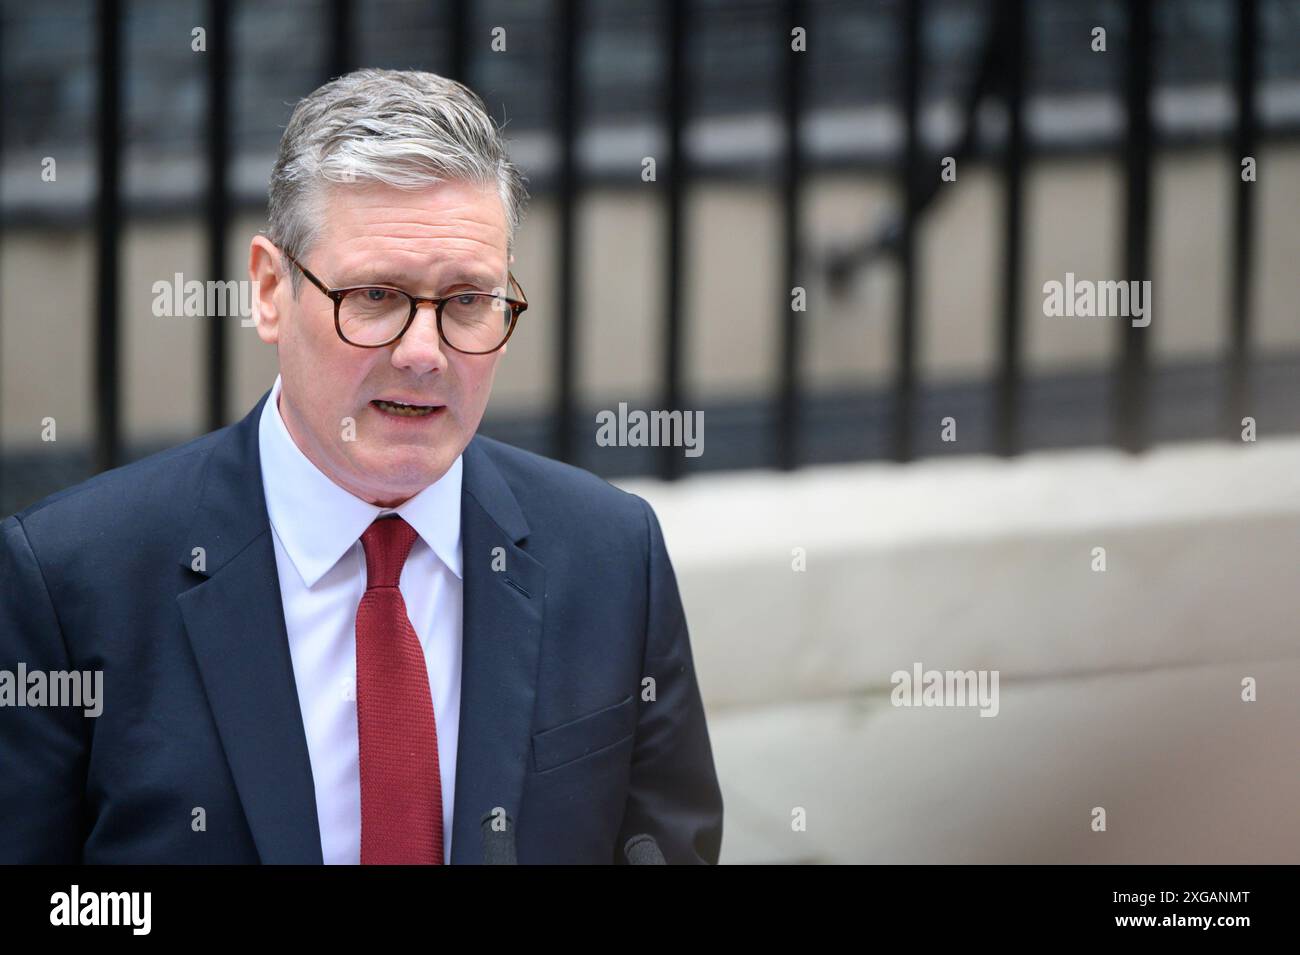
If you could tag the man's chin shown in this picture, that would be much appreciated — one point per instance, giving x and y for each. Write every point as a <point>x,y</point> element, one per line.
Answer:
<point>403,472</point>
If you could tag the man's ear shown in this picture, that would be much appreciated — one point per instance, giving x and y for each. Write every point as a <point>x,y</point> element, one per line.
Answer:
<point>270,286</point>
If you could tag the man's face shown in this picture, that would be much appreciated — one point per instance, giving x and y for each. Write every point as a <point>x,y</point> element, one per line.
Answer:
<point>446,238</point>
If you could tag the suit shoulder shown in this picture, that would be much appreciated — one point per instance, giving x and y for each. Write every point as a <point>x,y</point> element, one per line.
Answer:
<point>129,498</point>
<point>548,484</point>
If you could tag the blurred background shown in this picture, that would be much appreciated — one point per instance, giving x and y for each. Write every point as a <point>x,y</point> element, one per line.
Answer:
<point>906,460</point>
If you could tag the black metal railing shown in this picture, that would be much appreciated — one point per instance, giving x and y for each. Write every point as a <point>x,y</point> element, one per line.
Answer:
<point>1002,73</point>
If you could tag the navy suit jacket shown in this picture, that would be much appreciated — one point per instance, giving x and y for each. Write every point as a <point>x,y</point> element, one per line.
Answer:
<point>200,706</point>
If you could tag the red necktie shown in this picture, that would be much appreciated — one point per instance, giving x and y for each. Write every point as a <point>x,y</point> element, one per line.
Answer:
<point>401,791</point>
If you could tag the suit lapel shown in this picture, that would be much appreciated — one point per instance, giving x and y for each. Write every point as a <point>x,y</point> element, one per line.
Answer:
<point>501,641</point>
<point>235,622</point>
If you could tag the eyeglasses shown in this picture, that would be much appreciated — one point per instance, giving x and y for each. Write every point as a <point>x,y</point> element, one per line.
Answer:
<point>372,316</point>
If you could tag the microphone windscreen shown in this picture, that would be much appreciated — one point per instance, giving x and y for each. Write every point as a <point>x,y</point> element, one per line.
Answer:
<point>643,850</point>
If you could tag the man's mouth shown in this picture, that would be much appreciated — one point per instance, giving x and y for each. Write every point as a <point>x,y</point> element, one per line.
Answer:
<point>406,411</point>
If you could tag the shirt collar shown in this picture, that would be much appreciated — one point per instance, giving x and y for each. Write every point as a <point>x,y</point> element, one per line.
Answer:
<point>318,522</point>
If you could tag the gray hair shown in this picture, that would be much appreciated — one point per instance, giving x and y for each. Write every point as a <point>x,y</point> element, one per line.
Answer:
<point>405,128</point>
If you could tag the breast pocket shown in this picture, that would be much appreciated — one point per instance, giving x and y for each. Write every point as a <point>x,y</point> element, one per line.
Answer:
<point>563,744</point>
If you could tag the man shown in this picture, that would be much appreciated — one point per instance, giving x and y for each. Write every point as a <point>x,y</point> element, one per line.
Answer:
<point>347,629</point>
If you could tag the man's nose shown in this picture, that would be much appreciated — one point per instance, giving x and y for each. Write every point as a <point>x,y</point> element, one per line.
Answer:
<point>420,349</point>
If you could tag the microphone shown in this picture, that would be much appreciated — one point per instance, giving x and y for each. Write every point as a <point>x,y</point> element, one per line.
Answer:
<point>643,850</point>
<point>498,844</point>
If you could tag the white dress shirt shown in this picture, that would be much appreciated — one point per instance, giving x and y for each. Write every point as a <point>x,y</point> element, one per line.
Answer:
<point>317,528</point>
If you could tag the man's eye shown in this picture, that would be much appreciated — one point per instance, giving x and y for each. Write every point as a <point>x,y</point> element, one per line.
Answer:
<point>377,294</point>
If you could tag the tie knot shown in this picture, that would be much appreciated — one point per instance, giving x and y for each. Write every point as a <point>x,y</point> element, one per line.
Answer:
<point>387,542</point>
